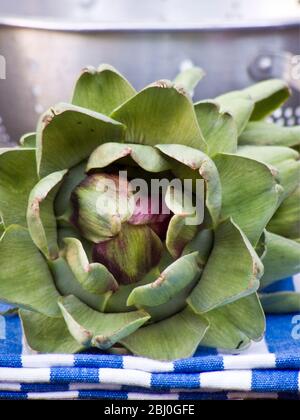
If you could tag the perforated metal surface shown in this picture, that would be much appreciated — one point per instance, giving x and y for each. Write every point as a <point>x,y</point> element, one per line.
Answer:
<point>286,116</point>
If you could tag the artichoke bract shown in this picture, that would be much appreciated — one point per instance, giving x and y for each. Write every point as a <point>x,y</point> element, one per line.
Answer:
<point>143,222</point>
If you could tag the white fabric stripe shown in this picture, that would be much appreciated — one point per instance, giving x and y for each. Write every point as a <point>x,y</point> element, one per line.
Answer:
<point>260,347</point>
<point>67,395</point>
<point>250,361</point>
<point>9,387</point>
<point>47,360</point>
<point>236,380</point>
<point>296,281</point>
<point>122,377</point>
<point>79,386</point>
<point>251,395</point>
<point>140,396</point>
<point>24,375</point>
<point>147,365</point>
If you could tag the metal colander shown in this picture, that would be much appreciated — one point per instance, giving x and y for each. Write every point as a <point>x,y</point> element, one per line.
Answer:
<point>46,44</point>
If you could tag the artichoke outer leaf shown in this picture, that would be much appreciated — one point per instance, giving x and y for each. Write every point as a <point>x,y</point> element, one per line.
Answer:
<point>102,89</point>
<point>71,180</point>
<point>47,335</point>
<point>189,78</point>
<point>281,260</point>
<point>117,301</point>
<point>179,234</point>
<point>69,231</point>
<point>185,223</point>
<point>146,157</point>
<point>219,285</point>
<point>67,135</point>
<point>289,176</point>
<point>160,113</point>
<point>92,328</point>
<point>95,277</point>
<point>272,155</point>
<point>268,95</point>
<point>27,283</point>
<point>17,178</point>
<point>202,243</point>
<point>229,337</point>
<point>280,302</point>
<point>241,321</point>
<point>40,214</point>
<point>67,284</point>
<point>239,106</point>
<point>218,128</point>
<point>174,338</point>
<point>181,273</point>
<point>195,160</point>
<point>248,315</point>
<point>286,220</point>
<point>260,133</point>
<point>250,193</point>
<point>283,159</point>
<point>28,141</point>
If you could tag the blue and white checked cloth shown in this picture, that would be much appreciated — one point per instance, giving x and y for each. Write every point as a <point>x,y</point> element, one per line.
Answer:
<point>269,369</point>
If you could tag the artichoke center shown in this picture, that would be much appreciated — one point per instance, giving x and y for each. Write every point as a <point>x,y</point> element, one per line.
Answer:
<point>126,235</point>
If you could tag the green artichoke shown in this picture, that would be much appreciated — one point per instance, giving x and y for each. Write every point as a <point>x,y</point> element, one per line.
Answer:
<point>86,269</point>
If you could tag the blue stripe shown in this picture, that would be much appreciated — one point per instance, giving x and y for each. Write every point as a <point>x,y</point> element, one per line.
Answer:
<point>205,351</point>
<point>285,285</point>
<point>105,395</point>
<point>274,381</point>
<point>10,360</point>
<point>7,395</point>
<point>95,361</point>
<point>287,361</point>
<point>165,381</point>
<point>199,364</point>
<point>38,387</point>
<point>67,375</point>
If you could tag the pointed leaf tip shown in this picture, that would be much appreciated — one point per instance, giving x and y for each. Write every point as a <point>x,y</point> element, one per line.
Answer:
<point>102,330</point>
<point>102,89</point>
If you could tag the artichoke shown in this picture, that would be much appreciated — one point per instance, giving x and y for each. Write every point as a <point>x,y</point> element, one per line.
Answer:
<point>88,264</point>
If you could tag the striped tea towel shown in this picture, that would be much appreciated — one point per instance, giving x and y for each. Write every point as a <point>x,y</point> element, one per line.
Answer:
<point>268,369</point>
